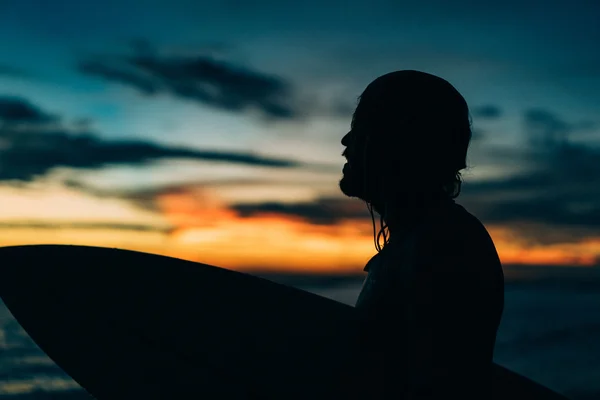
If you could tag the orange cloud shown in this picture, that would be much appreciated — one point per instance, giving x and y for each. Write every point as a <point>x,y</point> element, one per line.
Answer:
<point>205,229</point>
<point>272,241</point>
<point>194,208</point>
<point>514,251</point>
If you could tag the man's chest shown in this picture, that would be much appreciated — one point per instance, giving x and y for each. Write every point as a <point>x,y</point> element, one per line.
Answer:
<point>390,275</point>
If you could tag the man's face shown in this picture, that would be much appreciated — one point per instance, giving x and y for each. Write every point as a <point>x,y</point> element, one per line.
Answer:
<point>352,183</point>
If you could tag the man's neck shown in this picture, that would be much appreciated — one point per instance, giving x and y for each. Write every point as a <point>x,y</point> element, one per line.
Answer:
<point>405,217</point>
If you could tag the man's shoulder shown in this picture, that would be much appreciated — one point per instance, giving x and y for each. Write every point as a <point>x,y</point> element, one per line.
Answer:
<point>458,227</point>
<point>460,239</point>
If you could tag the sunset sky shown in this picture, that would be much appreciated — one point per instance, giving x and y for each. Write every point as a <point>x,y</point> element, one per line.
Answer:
<point>211,130</point>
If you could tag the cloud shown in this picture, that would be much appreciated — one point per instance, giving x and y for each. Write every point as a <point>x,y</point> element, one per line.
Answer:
<point>120,74</point>
<point>547,129</point>
<point>84,226</point>
<point>561,191</point>
<point>556,200</point>
<point>26,154</point>
<point>16,110</point>
<point>145,198</point>
<point>489,111</point>
<point>323,211</point>
<point>200,78</point>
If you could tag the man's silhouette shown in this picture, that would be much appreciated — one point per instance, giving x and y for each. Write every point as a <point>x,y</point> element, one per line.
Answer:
<point>434,294</point>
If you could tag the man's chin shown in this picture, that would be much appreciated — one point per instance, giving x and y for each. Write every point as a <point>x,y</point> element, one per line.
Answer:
<point>349,188</point>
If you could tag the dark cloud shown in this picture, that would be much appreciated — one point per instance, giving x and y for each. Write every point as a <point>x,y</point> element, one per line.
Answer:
<point>487,111</point>
<point>201,78</point>
<point>16,110</point>
<point>26,154</point>
<point>561,192</point>
<point>84,226</point>
<point>546,129</point>
<point>323,211</point>
<point>146,197</point>
<point>122,74</point>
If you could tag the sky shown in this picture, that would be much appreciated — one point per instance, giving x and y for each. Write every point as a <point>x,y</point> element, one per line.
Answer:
<point>211,131</point>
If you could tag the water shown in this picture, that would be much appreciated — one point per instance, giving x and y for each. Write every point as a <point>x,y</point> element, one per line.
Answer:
<point>550,332</point>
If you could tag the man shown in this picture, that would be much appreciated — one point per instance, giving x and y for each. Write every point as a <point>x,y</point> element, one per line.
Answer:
<point>434,294</point>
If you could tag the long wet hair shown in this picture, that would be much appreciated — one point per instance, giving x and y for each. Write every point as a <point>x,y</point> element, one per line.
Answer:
<point>432,121</point>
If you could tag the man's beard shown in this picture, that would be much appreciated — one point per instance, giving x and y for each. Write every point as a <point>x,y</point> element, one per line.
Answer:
<point>352,185</point>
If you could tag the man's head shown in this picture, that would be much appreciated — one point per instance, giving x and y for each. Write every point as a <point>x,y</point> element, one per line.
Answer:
<point>409,137</point>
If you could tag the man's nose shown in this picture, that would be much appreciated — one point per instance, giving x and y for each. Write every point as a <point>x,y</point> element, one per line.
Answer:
<point>345,139</point>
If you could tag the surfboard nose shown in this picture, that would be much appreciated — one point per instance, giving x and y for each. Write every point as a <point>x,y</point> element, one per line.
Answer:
<point>19,264</point>
<point>27,274</point>
<point>24,280</point>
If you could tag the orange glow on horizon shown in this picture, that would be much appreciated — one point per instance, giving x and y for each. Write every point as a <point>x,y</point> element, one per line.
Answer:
<point>277,244</point>
<point>583,253</point>
<point>206,230</point>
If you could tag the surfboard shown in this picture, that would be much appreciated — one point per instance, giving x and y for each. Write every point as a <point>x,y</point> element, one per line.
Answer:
<point>126,325</point>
